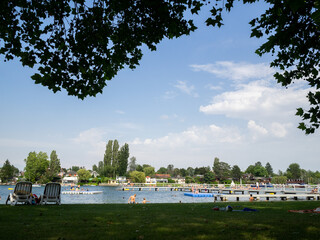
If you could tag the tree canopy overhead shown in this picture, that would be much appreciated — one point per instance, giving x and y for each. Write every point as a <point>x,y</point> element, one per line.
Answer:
<point>78,45</point>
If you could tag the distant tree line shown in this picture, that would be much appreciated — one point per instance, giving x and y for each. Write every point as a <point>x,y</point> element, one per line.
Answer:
<point>40,168</point>
<point>222,172</point>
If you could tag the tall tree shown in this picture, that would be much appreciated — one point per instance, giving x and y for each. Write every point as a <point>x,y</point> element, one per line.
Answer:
<point>132,164</point>
<point>8,171</point>
<point>236,172</point>
<point>294,171</point>
<point>123,159</point>
<point>170,169</point>
<point>54,163</point>
<point>269,169</point>
<point>101,168</point>
<point>221,169</point>
<point>107,159</point>
<point>115,162</point>
<point>36,166</point>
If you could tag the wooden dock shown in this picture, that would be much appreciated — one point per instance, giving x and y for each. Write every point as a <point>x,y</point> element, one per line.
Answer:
<point>234,194</point>
<point>81,192</point>
<point>268,197</point>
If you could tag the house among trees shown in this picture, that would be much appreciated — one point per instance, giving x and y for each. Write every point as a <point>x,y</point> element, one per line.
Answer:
<point>70,177</point>
<point>151,180</point>
<point>179,180</point>
<point>70,180</point>
<point>121,179</point>
<point>162,178</point>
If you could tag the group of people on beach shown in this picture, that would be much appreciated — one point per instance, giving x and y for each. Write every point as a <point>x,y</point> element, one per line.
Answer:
<point>132,199</point>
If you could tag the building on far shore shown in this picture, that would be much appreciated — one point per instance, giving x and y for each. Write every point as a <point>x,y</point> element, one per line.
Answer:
<point>121,179</point>
<point>70,180</point>
<point>162,178</point>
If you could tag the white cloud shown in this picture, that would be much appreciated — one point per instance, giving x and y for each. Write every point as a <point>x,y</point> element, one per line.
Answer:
<point>257,99</point>
<point>185,88</point>
<point>164,117</point>
<point>280,130</point>
<point>236,71</point>
<point>213,87</point>
<point>90,136</point>
<point>169,95</point>
<point>256,129</point>
<point>120,112</point>
<point>205,135</point>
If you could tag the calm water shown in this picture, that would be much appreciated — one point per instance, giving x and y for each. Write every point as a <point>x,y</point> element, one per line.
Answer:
<point>112,195</point>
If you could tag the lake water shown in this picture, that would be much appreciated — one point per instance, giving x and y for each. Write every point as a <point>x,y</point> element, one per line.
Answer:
<point>112,195</point>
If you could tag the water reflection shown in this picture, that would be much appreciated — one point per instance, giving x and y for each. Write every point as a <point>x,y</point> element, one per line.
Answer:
<point>112,195</point>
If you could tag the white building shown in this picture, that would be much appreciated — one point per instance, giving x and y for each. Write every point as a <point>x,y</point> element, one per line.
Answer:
<point>70,180</point>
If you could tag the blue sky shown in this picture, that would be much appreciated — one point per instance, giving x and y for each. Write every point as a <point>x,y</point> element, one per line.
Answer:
<point>198,97</point>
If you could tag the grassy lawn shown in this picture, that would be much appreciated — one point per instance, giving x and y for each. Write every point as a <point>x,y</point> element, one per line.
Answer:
<point>160,221</point>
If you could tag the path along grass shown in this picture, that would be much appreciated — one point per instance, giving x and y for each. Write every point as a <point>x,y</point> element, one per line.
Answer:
<point>160,221</point>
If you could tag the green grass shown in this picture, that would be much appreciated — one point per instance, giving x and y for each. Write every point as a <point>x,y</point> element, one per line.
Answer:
<point>160,221</point>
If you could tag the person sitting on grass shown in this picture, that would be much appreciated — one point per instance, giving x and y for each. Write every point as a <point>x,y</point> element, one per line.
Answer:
<point>145,201</point>
<point>132,199</point>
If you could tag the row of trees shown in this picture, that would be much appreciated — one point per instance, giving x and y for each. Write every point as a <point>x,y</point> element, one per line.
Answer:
<point>115,161</point>
<point>222,171</point>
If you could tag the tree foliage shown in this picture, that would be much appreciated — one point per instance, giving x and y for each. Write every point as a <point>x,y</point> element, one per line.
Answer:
<point>279,180</point>
<point>269,169</point>
<point>78,45</point>
<point>221,169</point>
<point>36,166</point>
<point>123,159</point>
<point>257,170</point>
<point>132,164</point>
<point>137,177</point>
<point>236,172</point>
<point>83,175</point>
<point>162,170</point>
<point>149,171</point>
<point>294,171</point>
<point>209,177</point>
<point>8,171</point>
<point>54,163</point>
